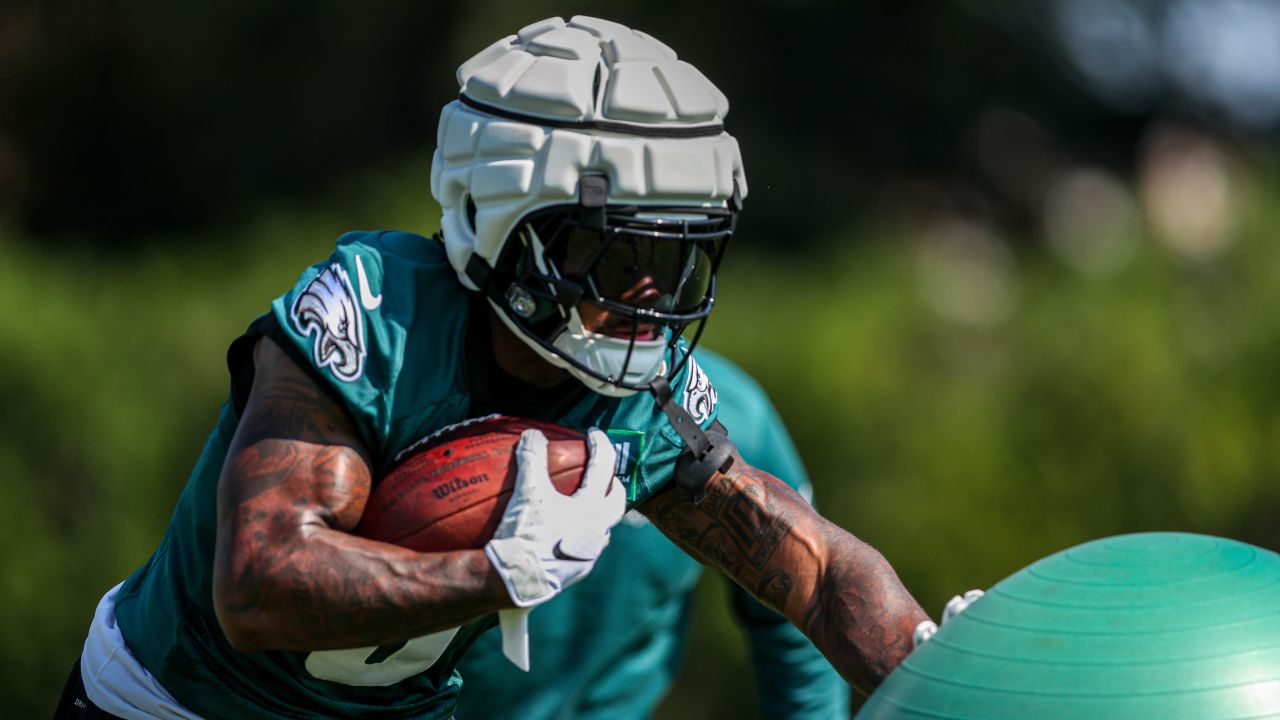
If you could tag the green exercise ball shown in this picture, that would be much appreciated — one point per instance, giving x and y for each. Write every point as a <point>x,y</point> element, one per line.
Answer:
<point>1148,626</point>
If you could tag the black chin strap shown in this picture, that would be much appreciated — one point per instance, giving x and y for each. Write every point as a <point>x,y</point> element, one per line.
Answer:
<point>705,453</point>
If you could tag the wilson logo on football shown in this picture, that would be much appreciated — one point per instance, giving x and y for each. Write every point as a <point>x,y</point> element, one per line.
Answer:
<point>447,488</point>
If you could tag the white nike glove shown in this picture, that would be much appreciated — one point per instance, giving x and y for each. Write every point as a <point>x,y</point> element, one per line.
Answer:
<point>956,605</point>
<point>547,541</point>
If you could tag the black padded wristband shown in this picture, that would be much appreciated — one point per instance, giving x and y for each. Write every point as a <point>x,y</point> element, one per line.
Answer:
<point>693,472</point>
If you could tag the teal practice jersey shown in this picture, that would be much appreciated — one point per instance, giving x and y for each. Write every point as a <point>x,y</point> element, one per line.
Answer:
<point>382,324</point>
<point>609,647</point>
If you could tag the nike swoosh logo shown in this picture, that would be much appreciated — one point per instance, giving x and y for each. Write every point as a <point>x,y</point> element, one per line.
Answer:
<point>367,298</point>
<point>562,555</point>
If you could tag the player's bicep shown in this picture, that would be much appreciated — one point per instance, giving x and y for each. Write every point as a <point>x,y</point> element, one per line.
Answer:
<point>294,467</point>
<point>753,527</point>
<point>295,455</point>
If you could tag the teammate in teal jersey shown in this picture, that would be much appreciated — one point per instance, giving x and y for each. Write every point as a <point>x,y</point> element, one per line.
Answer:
<point>609,647</point>
<point>588,189</point>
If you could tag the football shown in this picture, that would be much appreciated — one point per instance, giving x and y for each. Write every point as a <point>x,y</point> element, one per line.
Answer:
<point>449,490</point>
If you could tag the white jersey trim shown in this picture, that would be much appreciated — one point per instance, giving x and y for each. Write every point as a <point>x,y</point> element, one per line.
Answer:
<point>114,679</point>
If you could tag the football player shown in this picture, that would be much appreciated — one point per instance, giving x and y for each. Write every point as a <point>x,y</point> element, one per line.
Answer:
<point>588,189</point>
<point>609,647</point>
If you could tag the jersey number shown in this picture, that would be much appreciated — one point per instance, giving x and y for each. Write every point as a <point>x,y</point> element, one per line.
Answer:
<point>379,666</point>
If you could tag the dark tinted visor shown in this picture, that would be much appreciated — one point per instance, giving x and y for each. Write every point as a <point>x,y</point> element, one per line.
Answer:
<point>640,266</point>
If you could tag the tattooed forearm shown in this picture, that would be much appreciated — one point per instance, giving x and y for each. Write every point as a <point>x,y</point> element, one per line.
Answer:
<point>738,526</point>
<point>291,584</point>
<point>838,590</point>
<point>288,575</point>
<point>860,614</point>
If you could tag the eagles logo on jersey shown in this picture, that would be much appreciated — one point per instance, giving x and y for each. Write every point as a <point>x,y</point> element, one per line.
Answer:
<point>699,394</point>
<point>327,309</point>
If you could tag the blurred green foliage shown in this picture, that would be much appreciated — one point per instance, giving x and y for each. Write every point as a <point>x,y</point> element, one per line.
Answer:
<point>1140,400</point>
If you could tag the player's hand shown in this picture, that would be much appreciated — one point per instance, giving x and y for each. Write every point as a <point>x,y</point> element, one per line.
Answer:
<point>956,605</point>
<point>547,541</point>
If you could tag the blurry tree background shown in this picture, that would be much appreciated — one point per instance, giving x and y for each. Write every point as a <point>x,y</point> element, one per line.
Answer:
<point>1014,260</point>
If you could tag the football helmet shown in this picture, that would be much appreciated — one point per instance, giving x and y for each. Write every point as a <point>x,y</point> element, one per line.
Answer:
<point>588,189</point>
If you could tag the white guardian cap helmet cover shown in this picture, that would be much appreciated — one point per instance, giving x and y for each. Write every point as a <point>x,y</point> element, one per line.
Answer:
<point>584,162</point>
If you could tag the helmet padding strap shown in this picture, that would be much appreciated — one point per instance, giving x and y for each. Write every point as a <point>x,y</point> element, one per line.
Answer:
<point>593,196</point>
<point>480,273</point>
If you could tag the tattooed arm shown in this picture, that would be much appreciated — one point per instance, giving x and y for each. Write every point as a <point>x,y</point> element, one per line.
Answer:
<point>287,573</point>
<point>837,589</point>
